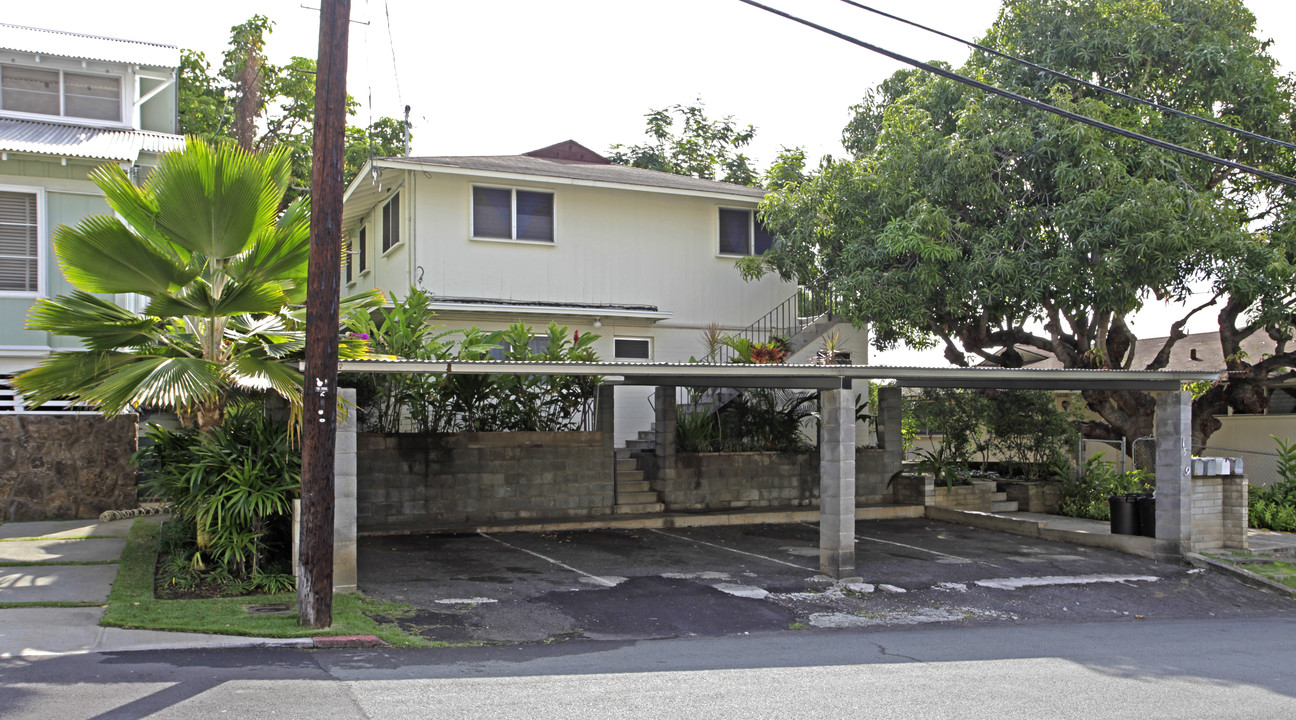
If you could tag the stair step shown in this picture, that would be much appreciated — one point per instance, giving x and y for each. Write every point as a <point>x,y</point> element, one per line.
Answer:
<point>649,435</point>
<point>626,454</point>
<point>624,476</point>
<point>639,509</point>
<point>634,486</point>
<point>636,498</point>
<point>998,497</point>
<point>626,464</point>
<point>640,444</point>
<point>1004,506</point>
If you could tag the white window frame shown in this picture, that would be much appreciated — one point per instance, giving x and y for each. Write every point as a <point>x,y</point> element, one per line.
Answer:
<point>42,253</point>
<point>628,337</point>
<point>362,251</point>
<point>751,231</point>
<point>513,191</point>
<point>62,116</point>
<point>382,223</point>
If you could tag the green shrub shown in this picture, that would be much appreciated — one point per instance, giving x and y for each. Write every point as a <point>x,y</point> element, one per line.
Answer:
<point>1274,507</point>
<point>1086,496</point>
<point>756,420</point>
<point>231,490</point>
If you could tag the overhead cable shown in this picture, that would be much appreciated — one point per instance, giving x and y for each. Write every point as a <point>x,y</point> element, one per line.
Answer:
<point>1072,79</point>
<point>985,87</point>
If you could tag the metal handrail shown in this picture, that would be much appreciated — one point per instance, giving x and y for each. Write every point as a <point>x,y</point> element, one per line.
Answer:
<point>810,303</point>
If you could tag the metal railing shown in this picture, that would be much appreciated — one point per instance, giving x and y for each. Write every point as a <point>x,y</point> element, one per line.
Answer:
<point>810,304</point>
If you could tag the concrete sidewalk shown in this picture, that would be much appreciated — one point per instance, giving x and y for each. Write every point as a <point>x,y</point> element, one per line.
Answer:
<point>75,561</point>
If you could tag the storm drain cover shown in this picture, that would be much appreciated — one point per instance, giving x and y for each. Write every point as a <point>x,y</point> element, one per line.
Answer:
<point>268,609</point>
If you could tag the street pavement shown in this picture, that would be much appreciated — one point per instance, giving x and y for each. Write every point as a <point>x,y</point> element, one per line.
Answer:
<point>1200,668</point>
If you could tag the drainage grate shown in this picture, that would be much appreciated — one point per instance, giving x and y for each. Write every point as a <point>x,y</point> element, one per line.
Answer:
<point>268,609</point>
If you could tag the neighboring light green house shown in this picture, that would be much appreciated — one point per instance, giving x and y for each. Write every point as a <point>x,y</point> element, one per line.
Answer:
<point>68,103</point>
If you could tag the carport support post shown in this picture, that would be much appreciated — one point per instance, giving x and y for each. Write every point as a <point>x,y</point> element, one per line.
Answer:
<point>837,482</point>
<point>605,422</point>
<point>344,496</point>
<point>664,431</point>
<point>1173,471</point>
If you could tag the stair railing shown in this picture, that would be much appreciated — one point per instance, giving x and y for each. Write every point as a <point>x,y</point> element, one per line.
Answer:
<point>810,303</point>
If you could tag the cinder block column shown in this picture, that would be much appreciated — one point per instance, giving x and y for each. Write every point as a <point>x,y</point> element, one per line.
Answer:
<point>664,431</point>
<point>1236,489</point>
<point>837,483</point>
<point>888,428</point>
<point>1174,470</point>
<point>605,421</point>
<point>344,497</point>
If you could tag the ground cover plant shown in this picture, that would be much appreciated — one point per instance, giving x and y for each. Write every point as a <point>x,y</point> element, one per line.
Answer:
<point>1274,507</point>
<point>231,490</point>
<point>436,402</point>
<point>1086,496</point>
<point>133,604</point>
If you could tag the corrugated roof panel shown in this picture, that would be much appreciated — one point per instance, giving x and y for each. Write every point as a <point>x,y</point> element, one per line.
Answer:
<point>73,141</point>
<point>87,47</point>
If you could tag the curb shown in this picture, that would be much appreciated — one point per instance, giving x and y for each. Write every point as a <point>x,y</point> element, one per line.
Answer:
<point>347,641</point>
<point>1245,576</point>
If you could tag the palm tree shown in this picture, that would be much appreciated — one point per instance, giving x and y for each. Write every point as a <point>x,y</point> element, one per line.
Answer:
<point>224,274</point>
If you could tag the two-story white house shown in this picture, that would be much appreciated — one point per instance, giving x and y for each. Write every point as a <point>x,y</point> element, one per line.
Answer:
<point>645,259</point>
<point>68,103</point>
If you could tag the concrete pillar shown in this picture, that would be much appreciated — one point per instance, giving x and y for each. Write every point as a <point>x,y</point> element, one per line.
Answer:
<point>837,483</point>
<point>887,417</point>
<point>1173,470</point>
<point>664,430</point>
<point>344,497</point>
<point>605,422</point>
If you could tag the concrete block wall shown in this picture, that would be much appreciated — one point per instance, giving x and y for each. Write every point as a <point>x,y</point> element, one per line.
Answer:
<point>924,490</point>
<point>733,481</point>
<point>1033,497</point>
<point>418,481</point>
<point>1219,512</point>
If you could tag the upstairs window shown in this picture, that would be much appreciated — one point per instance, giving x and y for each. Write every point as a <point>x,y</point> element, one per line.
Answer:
<point>391,223</point>
<point>346,260</point>
<point>362,253</point>
<point>60,93</point>
<point>512,214</point>
<point>632,348</point>
<point>742,233</point>
<point>19,243</point>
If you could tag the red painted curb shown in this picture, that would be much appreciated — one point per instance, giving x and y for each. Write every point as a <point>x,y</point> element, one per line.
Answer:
<point>348,641</point>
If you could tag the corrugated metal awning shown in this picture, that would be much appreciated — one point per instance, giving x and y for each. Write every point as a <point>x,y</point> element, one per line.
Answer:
<point>804,376</point>
<point>83,142</point>
<point>87,47</point>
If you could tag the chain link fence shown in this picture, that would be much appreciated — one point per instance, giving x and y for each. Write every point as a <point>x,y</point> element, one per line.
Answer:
<point>1260,467</point>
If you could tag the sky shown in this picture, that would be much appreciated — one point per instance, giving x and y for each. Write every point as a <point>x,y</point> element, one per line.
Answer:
<point>501,77</point>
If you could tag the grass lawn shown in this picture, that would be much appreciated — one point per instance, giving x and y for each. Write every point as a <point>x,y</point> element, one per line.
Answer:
<point>1276,569</point>
<point>131,605</point>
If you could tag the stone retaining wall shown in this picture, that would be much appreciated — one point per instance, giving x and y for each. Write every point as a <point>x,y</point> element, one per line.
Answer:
<point>1036,497</point>
<point>413,481</point>
<point>65,466</point>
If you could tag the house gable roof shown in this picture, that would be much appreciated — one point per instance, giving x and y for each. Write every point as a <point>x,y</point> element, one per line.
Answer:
<point>569,151</point>
<point>1196,351</point>
<point>87,47</point>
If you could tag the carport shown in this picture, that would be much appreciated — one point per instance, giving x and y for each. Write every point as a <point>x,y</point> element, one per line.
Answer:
<point>835,384</point>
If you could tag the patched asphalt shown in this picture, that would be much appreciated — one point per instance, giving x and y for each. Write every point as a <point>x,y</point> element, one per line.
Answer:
<point>641,584</point>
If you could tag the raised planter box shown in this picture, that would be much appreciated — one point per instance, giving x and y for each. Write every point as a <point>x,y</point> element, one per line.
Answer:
<point>1036,497</point>
<point>924,490</point>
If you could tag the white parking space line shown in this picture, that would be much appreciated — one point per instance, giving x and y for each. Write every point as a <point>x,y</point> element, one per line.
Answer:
<point>732,550</point>
<point>593,578</point>
<point>1021,582</point>
<point>915,547</point>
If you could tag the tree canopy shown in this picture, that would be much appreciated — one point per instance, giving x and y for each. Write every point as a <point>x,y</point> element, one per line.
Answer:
<point>263,106</point>
<point>970,221</point>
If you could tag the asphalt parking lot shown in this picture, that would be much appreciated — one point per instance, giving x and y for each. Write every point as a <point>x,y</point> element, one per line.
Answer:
<point>640,584</point>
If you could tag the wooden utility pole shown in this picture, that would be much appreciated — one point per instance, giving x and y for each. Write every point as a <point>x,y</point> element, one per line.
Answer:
<point>319,396</point>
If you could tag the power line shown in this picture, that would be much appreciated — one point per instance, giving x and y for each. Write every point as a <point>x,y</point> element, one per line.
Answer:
<point>985,87</point>
<point>1079,81</point>
<point>392,42</point>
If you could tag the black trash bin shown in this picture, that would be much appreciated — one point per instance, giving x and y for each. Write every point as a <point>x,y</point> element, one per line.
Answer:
<point>1147,514</point>
<point>1124,515</point>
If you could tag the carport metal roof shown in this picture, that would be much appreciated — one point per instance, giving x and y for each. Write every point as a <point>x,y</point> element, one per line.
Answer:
<point>818,377</point>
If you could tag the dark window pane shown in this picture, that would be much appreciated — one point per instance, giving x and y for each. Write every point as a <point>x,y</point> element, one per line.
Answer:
<point>734,231</point>
<point>29,90</point>
<point>535,216</point>
<point>539,344</point>
<point>364,249</point>
<point>628,349</point>
<point>391,223</point>
<point>492,213</point>
<point>763,240</point>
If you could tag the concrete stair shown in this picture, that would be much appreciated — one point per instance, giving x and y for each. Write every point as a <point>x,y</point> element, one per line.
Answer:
<point>634,494</point>
<point>999,502</point>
